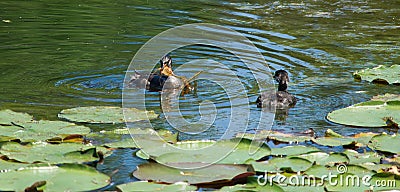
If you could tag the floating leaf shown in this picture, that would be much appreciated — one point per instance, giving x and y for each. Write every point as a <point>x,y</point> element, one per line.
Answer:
<point>253,185</point>
<point>362,139</point>
<point>311,188</point>
<point>331,133</point>
<point>150,186</point>
<point>293,150</point>
<point>360,158</point>
<point>374,113</point>
<point>321,158</point>
<point>276,165</point>
<point>67,177</point>
<point>380,74</point>
<point>239,155</point>
<point>43,130</point>
<point>334,141</point>
<point>6,166</point>
<point>386,143</point>
<point>8,117</point>
<point>276,136</point>
<point>161,173</point>
<point>105,114</point>
<point>52,153</point>
<point>323,172</point>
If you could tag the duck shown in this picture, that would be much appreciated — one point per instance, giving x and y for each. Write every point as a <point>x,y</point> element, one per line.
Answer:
<point>280,99</point>
<point>164,77</point>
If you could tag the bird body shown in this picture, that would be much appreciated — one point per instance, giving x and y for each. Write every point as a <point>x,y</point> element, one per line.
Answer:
<point>280,99</point>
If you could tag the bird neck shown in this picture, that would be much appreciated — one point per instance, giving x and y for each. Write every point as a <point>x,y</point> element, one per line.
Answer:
<point>282,87</point>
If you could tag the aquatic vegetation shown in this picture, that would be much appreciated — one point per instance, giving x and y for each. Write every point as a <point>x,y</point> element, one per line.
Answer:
<point>53,153</point>
<point>64,177</point>
<point>43,131</point>
<point>380,74</point>
<point>151,186</point>
<point>207,175</point>
<point>27,144</point>
<point>105,114</point>
<point>380,111</point>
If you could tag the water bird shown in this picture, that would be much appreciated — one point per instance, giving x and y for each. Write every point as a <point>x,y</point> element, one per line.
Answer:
<point>280,99</point>
<point>162,78</point>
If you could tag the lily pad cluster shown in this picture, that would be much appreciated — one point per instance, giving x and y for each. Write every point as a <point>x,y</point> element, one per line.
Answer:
<point>380,74</point>
<point>47,155</point>
<point>300,159</point>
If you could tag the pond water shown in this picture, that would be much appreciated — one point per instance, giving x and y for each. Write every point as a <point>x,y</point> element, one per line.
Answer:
<point>62,55</point>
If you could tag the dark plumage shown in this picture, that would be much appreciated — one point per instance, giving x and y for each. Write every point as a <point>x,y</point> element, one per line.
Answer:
<point>281,99</point>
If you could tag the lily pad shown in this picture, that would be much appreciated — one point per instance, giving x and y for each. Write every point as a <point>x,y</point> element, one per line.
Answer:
<point>334,141</point>
<point>67,177</point>
<point>361,158</point>
<point>276,136</point>
<point>362,139</point>
<point>8,117</point>
<point>151,186</point>
<point>380,74</point>
<point>373,113</point>
<point>239,155</point>
<point>321,158</point>
<point>6,166</point>
<point>253,185</point>
<point>42,130</point>
<point>52,153</point>
<point>161,173</point>
<point>277,165</point>
<point>105,114</point>
<point>320,171</point>
<point>386,143</point>
<point>293,150</point>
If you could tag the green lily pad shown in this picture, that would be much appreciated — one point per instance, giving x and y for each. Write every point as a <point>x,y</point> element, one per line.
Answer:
<point>293,150</point>
<point>362,139</point>
<point>373,113</point>
<point>276,165</point>
<point>380,74</point>
<point>321,158</point>
<point>6,166</point>
<point>8,117</point>
<point>334,141</point>
<point>43,130</point>
<point>320,171</point>
<point>161,173</point>
<point>253,185</point>
<point>212,152</point>
<point>276,136</point>
<point>150,186</point>
<point>290,188</point>
<point>376,167</point>
<point>361,158</point>
<point>52,153</point>
<point>105,114</point>
<point>67,177</point>
<point>386,143</point>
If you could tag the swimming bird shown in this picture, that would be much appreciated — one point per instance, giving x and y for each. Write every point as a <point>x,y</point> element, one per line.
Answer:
<point>281,99</point>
